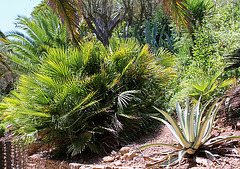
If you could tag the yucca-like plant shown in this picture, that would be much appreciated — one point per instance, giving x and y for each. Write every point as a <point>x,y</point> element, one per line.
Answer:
<point>193,133</point>
<point>209,86</point>
<point>198,9</point>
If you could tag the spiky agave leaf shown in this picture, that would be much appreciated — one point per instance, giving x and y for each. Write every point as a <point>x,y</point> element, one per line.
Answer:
<point>159,144</point>
<point>219,139</point>
<point>181,117</point>
<point>195,129</point>
<point>174,128</point>
<point>168,160</point>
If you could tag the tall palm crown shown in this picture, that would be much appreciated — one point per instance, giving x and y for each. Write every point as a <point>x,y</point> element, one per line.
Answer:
<point>42,31</point>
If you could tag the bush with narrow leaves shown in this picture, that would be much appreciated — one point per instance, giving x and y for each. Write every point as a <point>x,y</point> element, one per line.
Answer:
<point>88,98</point>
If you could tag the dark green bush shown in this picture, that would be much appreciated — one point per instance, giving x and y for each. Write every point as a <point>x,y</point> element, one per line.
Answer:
<point>2,130</point>
<point>92,98</point>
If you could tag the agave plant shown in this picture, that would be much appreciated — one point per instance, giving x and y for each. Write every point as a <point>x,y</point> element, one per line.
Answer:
<point>157,34</point>
<point>194,131</point>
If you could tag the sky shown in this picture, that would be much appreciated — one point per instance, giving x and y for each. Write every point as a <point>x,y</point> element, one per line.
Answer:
<point>10,9</point>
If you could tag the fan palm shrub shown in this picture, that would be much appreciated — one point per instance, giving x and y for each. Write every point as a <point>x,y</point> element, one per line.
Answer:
<point>193,133</point>
<point>87,98</point>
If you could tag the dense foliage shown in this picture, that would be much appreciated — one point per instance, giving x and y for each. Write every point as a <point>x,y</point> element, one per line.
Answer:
<point>90,73</point>
<point>79,98</point>
<point>202,62</point>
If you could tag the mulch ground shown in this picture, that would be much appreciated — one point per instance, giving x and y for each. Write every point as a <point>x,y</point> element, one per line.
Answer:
<point>227,124</point>
<point>161,134</point>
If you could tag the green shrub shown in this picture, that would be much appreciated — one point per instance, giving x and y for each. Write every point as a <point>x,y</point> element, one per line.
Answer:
<point>90,98</point>
<point>2,130</point>
<point>217,37</point>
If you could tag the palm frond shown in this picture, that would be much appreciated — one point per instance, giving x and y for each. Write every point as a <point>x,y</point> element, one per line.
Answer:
<point>179,12</point>
<point>79,145</point>
<point>125,97</point>
<point>69,14</point>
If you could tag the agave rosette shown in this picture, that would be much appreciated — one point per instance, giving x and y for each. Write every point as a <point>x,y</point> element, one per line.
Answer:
<point>192,132</point>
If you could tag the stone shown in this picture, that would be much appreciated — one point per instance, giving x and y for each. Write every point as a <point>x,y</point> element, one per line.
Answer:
<point>238,124</point>
<point>75,165</point>
<point>124,150</point>
<point>128,156</point>
<point>108,159</point>
<point>113,153</point>
<point>98,167</point>
<point>108,167</point>
<point>117,157</point>
<point>118,163</point>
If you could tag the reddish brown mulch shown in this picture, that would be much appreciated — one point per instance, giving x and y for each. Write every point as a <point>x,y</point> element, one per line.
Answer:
<point>226,125</point>
<point>162,135</point>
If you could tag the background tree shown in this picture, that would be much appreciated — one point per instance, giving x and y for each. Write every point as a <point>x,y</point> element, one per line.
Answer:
<point>102,16</point>
<point>7,77</point>
<point>40,8</point>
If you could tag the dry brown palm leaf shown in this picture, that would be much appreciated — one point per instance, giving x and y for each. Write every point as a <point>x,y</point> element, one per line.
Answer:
<point>179,12</point>
<point>69,16</point>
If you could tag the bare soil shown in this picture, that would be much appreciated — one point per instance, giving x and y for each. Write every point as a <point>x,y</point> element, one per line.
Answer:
<point>162,134</point>
<point>228,157</point>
